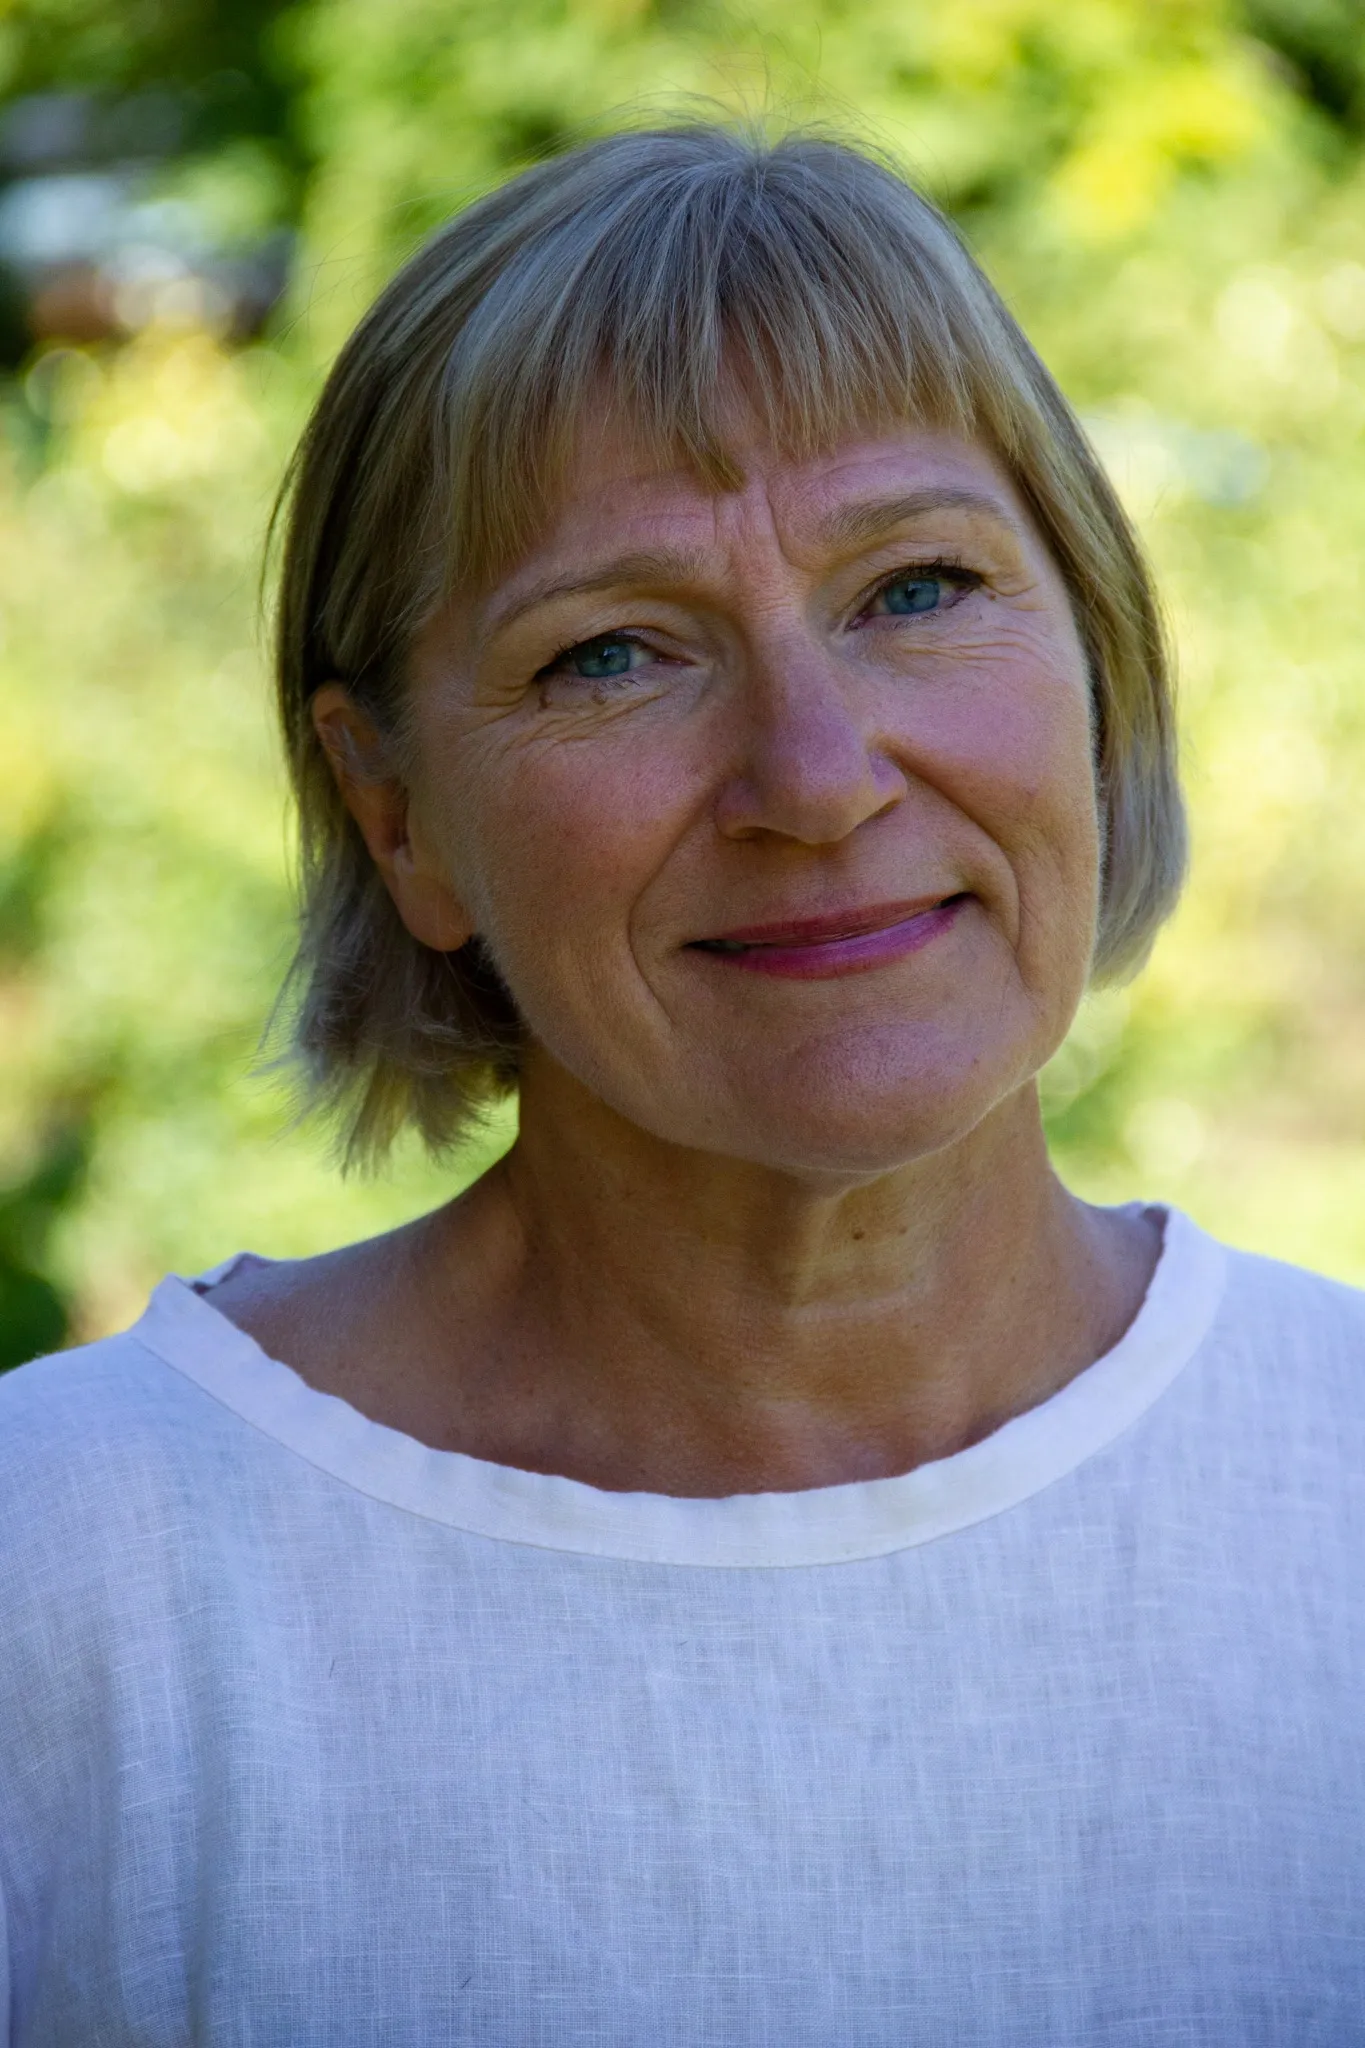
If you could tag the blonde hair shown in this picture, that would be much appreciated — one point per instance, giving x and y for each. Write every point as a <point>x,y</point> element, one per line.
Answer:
<point>656,268</point>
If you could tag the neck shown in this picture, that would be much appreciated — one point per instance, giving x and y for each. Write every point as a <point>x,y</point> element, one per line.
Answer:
<point>694,1324</point>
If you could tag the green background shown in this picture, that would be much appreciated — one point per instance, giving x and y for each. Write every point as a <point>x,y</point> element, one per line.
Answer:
<point>1171,193</point>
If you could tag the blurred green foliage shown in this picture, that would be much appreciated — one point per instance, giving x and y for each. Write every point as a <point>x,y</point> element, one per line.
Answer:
<point>1172,195</point>
<point>206,66</point>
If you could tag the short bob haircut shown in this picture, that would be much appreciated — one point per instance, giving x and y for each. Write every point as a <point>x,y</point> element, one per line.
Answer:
<point>656,271</point>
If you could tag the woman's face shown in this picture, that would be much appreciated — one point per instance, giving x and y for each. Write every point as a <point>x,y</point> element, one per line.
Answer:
<point>774,806</point>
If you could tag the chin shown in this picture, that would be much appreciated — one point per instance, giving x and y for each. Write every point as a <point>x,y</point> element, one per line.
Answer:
<point>844,1150</point>
<point>858,1112</point>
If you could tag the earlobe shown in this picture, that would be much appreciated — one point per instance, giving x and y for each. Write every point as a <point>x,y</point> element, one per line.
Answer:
<point>376,797</point>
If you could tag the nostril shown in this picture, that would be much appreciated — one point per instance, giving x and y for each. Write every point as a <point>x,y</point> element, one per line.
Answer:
<point>815,789</point>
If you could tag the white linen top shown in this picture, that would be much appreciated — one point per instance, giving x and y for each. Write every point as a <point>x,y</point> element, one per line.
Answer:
<point>311,1735</point>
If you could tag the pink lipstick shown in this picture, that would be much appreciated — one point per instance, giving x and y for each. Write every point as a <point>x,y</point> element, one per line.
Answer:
<point>847,942</point>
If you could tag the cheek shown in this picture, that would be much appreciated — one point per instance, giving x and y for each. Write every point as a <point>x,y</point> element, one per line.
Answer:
<point>1015,756</point>
<point>1015,751</point>
<point>563,838</point>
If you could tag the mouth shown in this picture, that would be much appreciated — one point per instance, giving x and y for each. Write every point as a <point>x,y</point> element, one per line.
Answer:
<point>847,942</point>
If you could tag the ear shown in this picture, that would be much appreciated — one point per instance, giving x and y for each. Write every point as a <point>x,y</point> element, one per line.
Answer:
<point>359,758</point>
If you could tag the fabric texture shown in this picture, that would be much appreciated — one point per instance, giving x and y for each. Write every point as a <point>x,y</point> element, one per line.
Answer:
<point>312,1735</point>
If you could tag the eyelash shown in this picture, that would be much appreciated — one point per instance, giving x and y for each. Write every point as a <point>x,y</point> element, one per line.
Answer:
<point>628,636</point>
<point>951,571</point>
<point>945,567</point>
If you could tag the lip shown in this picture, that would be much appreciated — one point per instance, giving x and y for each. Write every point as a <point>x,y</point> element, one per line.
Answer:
<point>843,942</point>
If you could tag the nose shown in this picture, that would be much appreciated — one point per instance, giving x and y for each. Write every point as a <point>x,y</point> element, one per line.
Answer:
<point>811,767</point>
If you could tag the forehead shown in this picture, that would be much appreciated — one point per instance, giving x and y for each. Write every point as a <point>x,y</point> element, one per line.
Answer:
<point>618,494</point>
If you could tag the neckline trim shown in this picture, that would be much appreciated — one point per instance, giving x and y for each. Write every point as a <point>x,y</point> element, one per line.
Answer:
<point>814,1526</point>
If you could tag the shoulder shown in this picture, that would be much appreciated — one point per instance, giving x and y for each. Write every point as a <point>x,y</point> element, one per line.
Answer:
<point>1293,1310</point>
<point>96,1437</point>
<point>103,1456</point>
<point>127,1463</point>
<point>75,1402</point>
<point>1286,1350</point>
<point>128,1495</point>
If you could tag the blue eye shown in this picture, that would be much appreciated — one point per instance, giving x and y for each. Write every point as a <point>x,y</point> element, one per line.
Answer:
<point>912,594</point>
<point>599,660</point>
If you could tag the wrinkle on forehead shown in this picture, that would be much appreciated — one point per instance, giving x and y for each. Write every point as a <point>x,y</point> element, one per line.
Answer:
<point>614,475</point>
<point>741,419</point>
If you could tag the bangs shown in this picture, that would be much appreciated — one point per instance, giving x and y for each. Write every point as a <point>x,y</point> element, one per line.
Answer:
<point>809,285</point>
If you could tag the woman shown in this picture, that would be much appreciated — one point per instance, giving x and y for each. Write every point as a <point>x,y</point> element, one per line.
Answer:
<point>767,1564</point>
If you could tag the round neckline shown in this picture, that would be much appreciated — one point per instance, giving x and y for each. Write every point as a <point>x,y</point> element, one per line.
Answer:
<point>813,1526</point>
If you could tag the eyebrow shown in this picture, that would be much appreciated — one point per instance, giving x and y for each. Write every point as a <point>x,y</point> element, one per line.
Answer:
<point>852,525</point>
<point>849,526</point>
<point>649,566</point>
